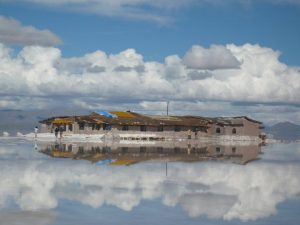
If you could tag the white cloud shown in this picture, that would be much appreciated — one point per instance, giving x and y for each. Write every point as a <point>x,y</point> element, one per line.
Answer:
<point>147,10</point>
<point>159,11</point>
<point>13,32</point>
<point>214,206</point>
<point>38,77</point>
<point>27,218</point>
<point>215,57</point>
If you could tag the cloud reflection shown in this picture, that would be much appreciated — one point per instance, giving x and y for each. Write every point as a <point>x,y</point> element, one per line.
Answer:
<point>27,218</point>
<point>216,190</point>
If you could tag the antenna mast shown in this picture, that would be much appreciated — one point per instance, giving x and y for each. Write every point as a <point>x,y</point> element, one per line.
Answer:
<point>167,108</point>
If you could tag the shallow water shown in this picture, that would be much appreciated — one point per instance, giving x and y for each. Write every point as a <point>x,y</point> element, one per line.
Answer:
<point>53,183</point>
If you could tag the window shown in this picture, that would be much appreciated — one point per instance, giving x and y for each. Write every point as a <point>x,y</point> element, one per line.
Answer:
<point>218,149</point>
<point>143,128</point>
<point>234,131</point>
<point>107,127</point>
<point>202,129</point>
<point>142,149</point>
<point>70,127</point>
<point>218,130</point>
<point>63,127</point>
<point>106,149</point>
<point>69,148</point>
<point>177,129</point>
<point>202,150</point>
<point>233,149</point>
<point>160,150</point>
<point>81,126</point>
<point>176,150</point>
<point>160,128</point>
<point>124,150</point>
<point>125,127</point>
<point>80,149</point>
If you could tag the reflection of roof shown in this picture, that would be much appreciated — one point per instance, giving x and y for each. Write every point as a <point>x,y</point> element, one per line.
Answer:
<point>104,162</point>
<point>63,154</point>
<point>120,162</point>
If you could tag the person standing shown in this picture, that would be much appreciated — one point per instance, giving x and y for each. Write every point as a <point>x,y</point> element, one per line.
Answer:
<point>36,129</point>
<point>56,132</point>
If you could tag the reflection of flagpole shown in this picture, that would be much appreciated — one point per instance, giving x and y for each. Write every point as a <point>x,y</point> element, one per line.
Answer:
<point>166,168</point>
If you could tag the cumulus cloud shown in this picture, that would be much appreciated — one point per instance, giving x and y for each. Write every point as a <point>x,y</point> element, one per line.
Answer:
<point>216,57</point>
<point>228,191</point>
<point>213,206</point>
<point>39,77</point>
<point>199,75</point>
<point>27,218</point>
<point>260,77</point>
<point>13,32</point>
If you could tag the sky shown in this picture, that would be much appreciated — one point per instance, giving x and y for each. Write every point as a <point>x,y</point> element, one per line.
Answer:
<point>210,58</point>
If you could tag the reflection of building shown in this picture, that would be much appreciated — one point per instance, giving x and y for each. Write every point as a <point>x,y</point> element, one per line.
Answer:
<point>132,125</point>
<point>125,154</point>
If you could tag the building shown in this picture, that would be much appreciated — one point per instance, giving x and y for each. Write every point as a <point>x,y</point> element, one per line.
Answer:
<point>130,125</point>
<point>235,126</point>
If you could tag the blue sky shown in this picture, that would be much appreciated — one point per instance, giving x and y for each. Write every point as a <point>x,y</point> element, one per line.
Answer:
<point>270,25</point>
<point>206,57</point>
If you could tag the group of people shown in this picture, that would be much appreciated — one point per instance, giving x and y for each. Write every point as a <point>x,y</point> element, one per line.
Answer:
<point>58,130</point>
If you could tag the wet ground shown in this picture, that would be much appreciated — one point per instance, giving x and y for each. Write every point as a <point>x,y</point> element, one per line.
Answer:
<point>52,183</point>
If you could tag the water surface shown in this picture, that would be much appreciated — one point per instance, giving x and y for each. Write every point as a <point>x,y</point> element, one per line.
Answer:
<point>51,183</point>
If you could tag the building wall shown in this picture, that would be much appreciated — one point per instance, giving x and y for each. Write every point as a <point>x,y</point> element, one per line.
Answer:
<point>44,128</point>
<point>251,128</point>
<point>212,130</point>
<point>240,153</point>
<point>248,129</point>
<point>88,129</point>
<point>168,131</point>
<point>228,130</point>
<point>49,128</point>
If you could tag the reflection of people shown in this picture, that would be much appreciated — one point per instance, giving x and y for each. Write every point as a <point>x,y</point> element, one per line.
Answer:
<point>61,129</point>
<point>56,131</point>
<point>36,129</point>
